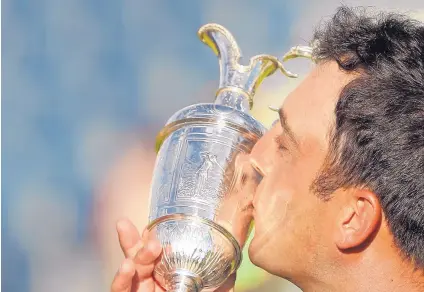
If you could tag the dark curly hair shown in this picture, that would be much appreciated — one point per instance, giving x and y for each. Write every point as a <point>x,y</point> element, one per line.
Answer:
<point>377,141</point>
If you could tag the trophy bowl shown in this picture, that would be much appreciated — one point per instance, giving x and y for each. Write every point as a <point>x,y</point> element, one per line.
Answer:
<point>203,183</point>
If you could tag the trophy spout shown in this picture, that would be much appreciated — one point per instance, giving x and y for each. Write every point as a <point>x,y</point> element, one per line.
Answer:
<point>238,83</point>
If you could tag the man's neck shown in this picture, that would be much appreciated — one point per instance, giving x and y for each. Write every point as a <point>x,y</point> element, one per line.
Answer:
<point>384,276</point>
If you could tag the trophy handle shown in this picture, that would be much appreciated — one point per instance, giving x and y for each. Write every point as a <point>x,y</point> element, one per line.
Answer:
<point>296,52</point>
<point>238,83</point>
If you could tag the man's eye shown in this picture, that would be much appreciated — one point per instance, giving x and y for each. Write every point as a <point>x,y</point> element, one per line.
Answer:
<point>279,141</point>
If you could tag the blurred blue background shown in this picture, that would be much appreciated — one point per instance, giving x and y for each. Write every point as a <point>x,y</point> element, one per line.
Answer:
<point>83,80</point>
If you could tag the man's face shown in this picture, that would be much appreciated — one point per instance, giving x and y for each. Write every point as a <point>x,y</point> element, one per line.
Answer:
<point>292,225</point>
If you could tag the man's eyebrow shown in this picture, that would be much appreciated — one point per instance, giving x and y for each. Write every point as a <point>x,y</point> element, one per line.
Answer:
<point>286,128</point>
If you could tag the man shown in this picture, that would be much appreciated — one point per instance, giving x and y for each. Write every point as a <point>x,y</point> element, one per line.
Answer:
<point>341,203</point>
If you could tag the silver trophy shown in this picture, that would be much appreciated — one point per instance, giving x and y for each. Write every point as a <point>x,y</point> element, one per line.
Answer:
<point>200,208</point>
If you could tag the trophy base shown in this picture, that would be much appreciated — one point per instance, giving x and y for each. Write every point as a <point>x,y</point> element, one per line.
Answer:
<point>197,254</point>
<point>184,281</point>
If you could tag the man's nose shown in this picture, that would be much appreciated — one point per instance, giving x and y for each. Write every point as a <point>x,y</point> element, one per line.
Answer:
<point>261,155</point>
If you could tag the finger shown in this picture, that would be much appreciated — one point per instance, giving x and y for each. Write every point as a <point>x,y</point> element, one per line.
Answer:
<point>129,238</point>
<point>145,259</point>
<point>123,279</point>
<point>149,284</point>
<point>148,253</point>
<point>228,286</point>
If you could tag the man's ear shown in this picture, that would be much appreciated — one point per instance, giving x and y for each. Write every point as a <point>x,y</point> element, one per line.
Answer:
<point>358,221</point>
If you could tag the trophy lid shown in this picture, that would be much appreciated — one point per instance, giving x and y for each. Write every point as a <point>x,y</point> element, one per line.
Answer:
<point>238,83</point>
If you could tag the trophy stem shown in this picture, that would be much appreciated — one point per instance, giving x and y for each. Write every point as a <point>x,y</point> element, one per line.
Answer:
<point>184,281</point>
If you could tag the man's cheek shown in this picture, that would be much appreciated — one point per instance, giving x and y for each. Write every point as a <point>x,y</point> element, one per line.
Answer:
<point>274,212</point>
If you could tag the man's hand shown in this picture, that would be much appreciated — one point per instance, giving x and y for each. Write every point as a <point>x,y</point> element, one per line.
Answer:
<point>136,271</point>
<point>141,253</point>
